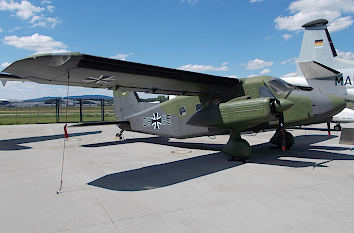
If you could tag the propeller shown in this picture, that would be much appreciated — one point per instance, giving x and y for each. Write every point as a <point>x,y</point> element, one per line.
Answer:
<point>279,106</point>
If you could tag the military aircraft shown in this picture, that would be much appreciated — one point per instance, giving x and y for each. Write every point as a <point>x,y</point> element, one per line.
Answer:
<point>206,105</point>
<point>317,45</point>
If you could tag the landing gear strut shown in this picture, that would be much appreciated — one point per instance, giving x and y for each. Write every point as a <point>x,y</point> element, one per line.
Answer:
<point>120,134</point>
<point>236,147</point>
<point>277,139</point>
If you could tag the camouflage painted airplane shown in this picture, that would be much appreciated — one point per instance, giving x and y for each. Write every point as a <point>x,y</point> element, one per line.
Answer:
<point>206,105</point>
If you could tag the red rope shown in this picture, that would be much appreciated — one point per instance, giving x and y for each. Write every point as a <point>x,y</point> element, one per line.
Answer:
<point>66,135</point>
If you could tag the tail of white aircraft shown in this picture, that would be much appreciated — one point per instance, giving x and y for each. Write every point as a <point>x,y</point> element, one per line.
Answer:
<point>317,45</point>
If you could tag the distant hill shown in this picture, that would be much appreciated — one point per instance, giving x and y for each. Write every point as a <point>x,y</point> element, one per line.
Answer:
<point>91,97</point>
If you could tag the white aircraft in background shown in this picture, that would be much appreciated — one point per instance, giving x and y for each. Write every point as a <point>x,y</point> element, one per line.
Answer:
<point>317,47</point>
<point>4,101</point>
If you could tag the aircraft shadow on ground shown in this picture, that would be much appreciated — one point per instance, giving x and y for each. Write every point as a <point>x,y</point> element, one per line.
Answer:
<point>15,144</point>
<point>162,175</point>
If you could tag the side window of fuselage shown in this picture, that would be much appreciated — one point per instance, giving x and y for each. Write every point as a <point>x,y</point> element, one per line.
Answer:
<point>182,111</point>
<point>198,107</point>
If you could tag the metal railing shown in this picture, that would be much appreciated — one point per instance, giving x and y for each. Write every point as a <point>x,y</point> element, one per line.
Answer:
<point>81,110</point>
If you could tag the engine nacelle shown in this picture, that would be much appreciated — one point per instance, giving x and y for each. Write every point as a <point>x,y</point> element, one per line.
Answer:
<point>234,114</point>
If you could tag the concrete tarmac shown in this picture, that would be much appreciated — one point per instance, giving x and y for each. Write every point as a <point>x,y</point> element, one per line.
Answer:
<point>151,184</point>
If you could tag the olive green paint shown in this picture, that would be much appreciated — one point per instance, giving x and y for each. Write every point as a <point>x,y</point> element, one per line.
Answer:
<point>245,113</point>
<point>188,102</point>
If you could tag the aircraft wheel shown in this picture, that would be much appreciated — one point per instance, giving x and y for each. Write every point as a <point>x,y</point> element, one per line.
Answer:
<point>289,140</point>
<point>337,128</point>
<point>277,138</point>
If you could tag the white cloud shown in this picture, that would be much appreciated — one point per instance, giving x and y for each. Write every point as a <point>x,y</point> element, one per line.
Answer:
<point>5,64</point>
<point>34,15</point>
<point>121,56</point>
<point>340,23</point>
<point>37,43</point>
<point>52,22</point>
<point>15,29</point>
<point>265,71</point>
<point>303,11</point>
<point>287,36</point>
<point>345,55</point>
<point>252,75</point>
<point>41,21</point>
<point>44,2</point>
<point>203,68</point>
<point>290,60</point>
<point>292,74</point>
<point>253,1</point>
<point>23,9</point>
<point>190,1</point>
<point>29,90</point>
<point>257,64</point>
<point>50,8</point>
<point>1,30</point>
<point>232,76</point>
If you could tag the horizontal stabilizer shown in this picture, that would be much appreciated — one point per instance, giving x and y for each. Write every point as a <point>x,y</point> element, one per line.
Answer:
<point>315,70</point>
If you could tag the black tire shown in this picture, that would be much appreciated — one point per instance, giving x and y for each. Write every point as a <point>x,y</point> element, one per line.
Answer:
<point>289,140</point>
<point>337,128</point>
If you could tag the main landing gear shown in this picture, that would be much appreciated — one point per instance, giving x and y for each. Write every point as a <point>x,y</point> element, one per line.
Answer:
<point>237,148</point>
<point>277,139</point>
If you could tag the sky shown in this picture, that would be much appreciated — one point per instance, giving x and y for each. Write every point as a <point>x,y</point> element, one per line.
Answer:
<point>237,39</point>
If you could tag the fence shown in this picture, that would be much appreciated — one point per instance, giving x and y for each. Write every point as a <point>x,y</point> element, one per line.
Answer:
<point>78,111</point>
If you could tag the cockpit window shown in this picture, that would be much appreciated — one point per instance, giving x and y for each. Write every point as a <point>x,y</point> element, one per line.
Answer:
<point>264,92</point>
<point>280,86</point>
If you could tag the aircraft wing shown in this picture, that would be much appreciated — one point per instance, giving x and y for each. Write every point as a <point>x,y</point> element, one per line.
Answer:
<point>77,69</point>
<point>4,77</point>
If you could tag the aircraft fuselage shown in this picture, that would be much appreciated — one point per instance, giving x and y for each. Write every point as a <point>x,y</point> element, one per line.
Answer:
<point>190,116</point>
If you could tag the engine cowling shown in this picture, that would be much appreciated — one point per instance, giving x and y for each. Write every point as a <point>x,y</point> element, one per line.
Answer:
<point>235,113</point>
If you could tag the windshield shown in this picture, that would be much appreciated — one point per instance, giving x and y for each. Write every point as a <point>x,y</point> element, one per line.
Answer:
<point>280,86</point>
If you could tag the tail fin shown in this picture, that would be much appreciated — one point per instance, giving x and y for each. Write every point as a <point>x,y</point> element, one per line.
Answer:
<point>127,103</point>
<point>317,44</point>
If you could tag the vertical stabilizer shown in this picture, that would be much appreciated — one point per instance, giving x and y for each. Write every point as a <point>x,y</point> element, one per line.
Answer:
<point>317,44</point>
<point>127,103</point>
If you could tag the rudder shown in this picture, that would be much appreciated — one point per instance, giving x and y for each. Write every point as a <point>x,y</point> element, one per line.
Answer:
<point>127,103</point>
<point>317,44</point>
